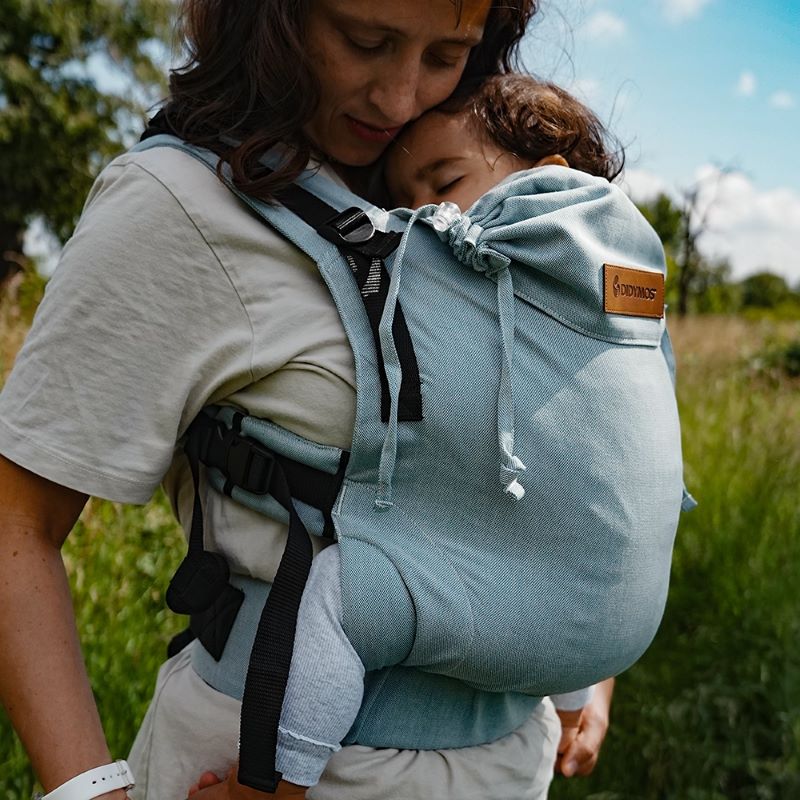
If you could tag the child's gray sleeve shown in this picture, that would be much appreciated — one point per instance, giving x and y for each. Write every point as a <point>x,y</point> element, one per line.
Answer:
<point>572,701</point>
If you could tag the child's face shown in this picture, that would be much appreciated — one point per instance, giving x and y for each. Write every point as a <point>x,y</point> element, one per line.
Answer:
<point>441,157</point>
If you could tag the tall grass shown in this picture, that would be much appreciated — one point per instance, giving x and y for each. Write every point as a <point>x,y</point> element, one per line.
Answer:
<point>711,711</point>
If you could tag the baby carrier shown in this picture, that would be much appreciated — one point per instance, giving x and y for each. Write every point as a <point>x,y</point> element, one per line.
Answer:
<point>507,511</point>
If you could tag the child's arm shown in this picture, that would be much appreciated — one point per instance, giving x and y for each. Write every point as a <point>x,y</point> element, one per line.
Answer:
<point>569,707</point>
<point>583,732</point>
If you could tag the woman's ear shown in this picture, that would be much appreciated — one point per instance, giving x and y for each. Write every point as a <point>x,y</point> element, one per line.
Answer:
<point>556,160</point>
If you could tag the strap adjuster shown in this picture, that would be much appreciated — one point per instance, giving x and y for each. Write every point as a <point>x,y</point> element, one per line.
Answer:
<point>248,465</point>
<point>352,225</point>
<point>243,461</point>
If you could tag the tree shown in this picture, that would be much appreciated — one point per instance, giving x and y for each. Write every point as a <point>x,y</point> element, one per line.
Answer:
<point>764,290</point>
<point>680,227</point>
<point>57,126</point>
<point>666,220</point>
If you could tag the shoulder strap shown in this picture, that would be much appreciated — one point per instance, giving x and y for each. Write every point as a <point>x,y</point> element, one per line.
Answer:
<point>364,248</point>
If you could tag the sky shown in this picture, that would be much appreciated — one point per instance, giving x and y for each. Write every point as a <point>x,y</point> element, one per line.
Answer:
<point>702,93</point>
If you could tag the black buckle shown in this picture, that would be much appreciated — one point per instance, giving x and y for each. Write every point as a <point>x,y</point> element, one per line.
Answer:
<point>352,225</point>
<point>243,461</point>
<point>352,231</point>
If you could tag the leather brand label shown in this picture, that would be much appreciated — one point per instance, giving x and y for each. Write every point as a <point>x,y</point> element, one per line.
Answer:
<point>635,292</point>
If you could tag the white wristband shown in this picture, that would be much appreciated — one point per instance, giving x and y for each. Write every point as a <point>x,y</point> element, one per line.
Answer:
<point>93,783</point>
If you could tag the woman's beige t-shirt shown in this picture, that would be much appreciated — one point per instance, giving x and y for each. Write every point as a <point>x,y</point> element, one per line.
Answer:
<point>172,295</point>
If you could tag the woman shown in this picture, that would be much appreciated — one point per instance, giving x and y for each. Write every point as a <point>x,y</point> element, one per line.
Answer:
<point>171,296</point>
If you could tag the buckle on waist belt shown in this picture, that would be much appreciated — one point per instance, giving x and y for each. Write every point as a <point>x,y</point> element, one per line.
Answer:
<point>243,461</point>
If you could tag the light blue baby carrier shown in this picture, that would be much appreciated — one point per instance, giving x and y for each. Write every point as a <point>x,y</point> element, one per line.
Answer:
<point>507,511</point>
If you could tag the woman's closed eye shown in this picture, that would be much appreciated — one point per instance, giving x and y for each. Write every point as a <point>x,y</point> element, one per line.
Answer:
<point>369,47</point>
<point>448,61</point>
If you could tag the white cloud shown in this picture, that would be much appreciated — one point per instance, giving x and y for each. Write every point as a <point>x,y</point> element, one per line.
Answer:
<point>642,185</point>
<point>605,25</point>
<point>40,245</point>
<point>680,10</point>
<point>753,229</point>
<point>782,100</point>
<point>747,84</point>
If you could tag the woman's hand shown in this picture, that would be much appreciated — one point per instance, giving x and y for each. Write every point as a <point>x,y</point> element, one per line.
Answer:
<point>210,787</point>
<point>580,744</point>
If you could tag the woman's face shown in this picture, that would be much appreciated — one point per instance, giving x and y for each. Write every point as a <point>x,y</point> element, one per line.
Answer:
<point>380,64</point>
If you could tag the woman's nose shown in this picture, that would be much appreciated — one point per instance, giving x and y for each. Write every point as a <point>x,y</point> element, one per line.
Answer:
<point>394,93</point>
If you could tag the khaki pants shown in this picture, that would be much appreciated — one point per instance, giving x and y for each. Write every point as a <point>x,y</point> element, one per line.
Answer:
<point>190,727</point>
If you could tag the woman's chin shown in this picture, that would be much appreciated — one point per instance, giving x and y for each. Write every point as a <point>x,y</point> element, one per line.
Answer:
<point>345,148</point>
<point>357,155</point>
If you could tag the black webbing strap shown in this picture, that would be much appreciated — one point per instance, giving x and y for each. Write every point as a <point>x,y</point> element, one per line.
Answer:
<point>268,671</point>
<point>373,278</point>
<point>202,578</point>
<point>248,464</point>
<point>365,249</point>
<point>201,587</point>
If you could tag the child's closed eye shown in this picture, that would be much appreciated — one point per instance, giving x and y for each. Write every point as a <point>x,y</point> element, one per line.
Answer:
<point>443,189</point>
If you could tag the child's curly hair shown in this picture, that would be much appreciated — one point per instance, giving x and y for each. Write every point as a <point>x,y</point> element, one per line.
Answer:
<point>533,119</point>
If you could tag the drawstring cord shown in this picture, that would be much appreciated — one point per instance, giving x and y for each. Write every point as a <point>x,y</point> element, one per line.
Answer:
<point>394,372</point>
<point>462,235</point>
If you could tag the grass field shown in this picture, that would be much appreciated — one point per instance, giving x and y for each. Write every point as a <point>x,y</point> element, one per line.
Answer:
<point>711,711</point>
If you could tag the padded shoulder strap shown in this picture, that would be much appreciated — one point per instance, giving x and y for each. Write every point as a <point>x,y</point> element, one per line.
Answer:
<point>355,236</point>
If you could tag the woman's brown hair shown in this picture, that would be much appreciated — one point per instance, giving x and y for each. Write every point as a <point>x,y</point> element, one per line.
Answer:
<point>533,119</point>
<point>247,79</point>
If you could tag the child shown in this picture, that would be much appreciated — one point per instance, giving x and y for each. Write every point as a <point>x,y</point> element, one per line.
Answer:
<point>472,142</point>
<point>454,153</point>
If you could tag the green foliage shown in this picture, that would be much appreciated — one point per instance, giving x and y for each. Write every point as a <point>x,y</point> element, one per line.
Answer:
<point>764,290</point>
<point>30,294</point>
<point>779,360</point>
<point>56,126</point>
<point>713,292</point>
<point>666,219</point>
<point>708,286</point>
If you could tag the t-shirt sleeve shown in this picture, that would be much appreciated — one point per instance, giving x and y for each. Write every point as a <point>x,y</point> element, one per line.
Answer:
<point>140,327</point>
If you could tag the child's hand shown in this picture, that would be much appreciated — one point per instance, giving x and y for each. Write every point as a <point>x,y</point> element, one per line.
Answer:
<point>206,779</point>
<point>570,727</point>
<point>579,747</point>
<point>210,787</point>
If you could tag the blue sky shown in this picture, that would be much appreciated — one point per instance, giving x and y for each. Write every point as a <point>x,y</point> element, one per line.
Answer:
<point>691,86</point>
<point>675,80</point>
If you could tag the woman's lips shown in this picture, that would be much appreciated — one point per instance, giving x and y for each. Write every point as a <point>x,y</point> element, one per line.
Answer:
<point>369,133</point>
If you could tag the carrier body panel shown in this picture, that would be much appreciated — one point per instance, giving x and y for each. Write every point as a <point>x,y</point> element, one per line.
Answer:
<point>444,571</point>
<point>542,595</point>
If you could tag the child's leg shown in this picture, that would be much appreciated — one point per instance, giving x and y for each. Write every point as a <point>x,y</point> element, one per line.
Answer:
<point>326,678</point>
